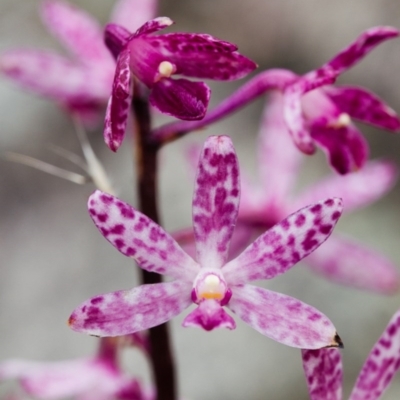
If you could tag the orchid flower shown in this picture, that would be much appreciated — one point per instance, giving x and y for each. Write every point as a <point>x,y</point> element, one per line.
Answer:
<point>323,368</point>
<point>315,112</point>
<point>95,378</point>
<point>153,59</point>
<point>323,116</point>
<point>211,282</point>
<point>81,83</point>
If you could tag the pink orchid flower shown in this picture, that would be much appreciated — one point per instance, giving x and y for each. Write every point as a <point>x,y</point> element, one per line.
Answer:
<point>95,378</point>
<point>323,368</point>
<point>323,116</point>
<point>82,82</point>
<point>265,204</point>
<point>211,282</point>
<point>315,112</point>
<point>153,59</point>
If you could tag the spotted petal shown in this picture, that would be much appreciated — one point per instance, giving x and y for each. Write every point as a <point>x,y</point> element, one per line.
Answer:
<point>128,311</point>
<point>201,56</point>
<point>324,372</point>
<point>364,105</point>
<point>181,98</point>
<point>40,72</point>
<point>283,318</point>
<point>357,190</point>
<point>132,14</point>
<point>345,146</point>
<point>358,266</point>
<point>116,37</point>
<point>292,108</point>
<point>118,105</point>
<point>215,201</point>
<point>362,46</point>
<point>78,31</point>
<point>137,236</point>
<point>285,244</point>
<point>381,365</point>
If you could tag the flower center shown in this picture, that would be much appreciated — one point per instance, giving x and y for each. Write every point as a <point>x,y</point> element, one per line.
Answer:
<point>211,286</point>
<point>342,121</point>
<point>165,70</point>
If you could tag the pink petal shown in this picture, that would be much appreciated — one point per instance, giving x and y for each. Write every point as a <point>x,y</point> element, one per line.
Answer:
<point>357,266</point>
<point>323,369</point>
<point>132,14</point>
<point>118,105</point>
<point>78,31</point>
<point>41,71</point>
<point>181,98</point>
<point>242,237</point>
<point>363,105</point>
<point>209,315</point>
<point>281,247</point>
<point>345,146</point>
<point>128,311</point>
<point>116,38</point>
<point>254,201</point>
<point>357,190</point>
<point>292,108</point>
<point>215,201</point>
<point>278,158</point>
<point>357,50</point>
<point>50,380</point>
<point>154,25</point>
<point>240,240</point>
<point>201,56</point>
<point>283,318</point>
<point>138,237</point>
<point>185,239</point>
<point>381,365</point>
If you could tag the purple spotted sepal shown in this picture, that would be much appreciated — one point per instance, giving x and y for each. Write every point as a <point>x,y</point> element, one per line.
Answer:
<point>154,59</point>
<point>324,373</point>
<point>323,368</point>
<point>323,117</point>
<point>211,282</point>
<point>381,364</point>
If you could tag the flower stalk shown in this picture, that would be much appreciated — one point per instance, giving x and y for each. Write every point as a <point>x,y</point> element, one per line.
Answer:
<point>160,354</point>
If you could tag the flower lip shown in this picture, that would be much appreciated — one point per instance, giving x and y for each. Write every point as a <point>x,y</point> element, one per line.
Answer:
<point>211,286</point>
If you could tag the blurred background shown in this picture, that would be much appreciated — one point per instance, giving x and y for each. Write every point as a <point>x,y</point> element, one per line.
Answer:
<point>53,258</point>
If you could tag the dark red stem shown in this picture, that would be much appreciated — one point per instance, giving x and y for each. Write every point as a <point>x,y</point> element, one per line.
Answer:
<point>146,158</point>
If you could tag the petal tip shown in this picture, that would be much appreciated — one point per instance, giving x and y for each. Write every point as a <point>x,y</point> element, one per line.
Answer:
<point>71,321</point>
<point>166,21</point>
<point>336,342</point>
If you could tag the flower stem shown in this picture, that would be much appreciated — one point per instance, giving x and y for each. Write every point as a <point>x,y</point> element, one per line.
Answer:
<point>160,350</point>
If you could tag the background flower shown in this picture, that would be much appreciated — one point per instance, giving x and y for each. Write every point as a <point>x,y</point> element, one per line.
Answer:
<point>86,75</point>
